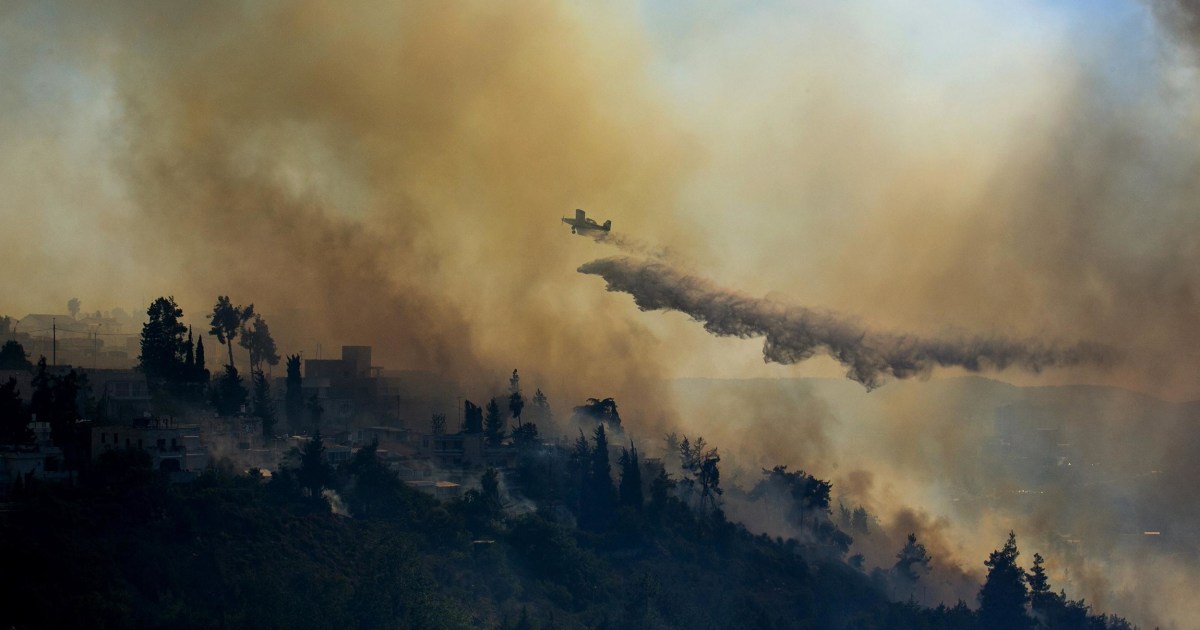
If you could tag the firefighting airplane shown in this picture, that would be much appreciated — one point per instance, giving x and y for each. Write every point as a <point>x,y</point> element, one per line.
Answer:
<point>581,223</point>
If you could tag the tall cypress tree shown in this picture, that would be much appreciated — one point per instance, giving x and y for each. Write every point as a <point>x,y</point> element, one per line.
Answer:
<point>631,479</point>
<point>199,371</point>
<point>189,356</point>
<point>600,497</point>
<point>294,397</point>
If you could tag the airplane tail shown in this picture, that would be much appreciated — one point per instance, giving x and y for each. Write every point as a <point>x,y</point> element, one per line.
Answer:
<point>608,225</point>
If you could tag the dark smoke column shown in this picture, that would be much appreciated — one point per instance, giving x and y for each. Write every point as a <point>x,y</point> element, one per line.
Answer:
<point>795,333</point>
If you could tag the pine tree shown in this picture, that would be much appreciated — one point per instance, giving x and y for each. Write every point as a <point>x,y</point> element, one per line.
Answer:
<point>1041,598</point>
<point>494,425</point>
<point>314,473</point>
<point>162,343</point>
<point>1003,595</point>
<point>231,392</point>
<point>541,409</point>
<point>911,563</point>
<point>516,402</point>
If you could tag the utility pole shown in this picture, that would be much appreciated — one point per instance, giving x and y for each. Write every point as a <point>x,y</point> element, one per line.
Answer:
<point>53,342</point>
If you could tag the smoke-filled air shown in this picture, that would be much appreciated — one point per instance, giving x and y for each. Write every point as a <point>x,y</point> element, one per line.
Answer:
<point>311,278</point>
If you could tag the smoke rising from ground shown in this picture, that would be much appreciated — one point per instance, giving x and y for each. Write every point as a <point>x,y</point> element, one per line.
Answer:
<point>795,333</point>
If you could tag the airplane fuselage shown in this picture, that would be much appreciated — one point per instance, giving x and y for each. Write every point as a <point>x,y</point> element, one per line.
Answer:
<point>582,223</point>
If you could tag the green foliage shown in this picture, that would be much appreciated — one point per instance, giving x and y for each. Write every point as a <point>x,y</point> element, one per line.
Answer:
<point>13,357</point>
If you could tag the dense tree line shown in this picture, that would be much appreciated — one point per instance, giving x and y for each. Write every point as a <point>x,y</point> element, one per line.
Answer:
<point>251,552</point>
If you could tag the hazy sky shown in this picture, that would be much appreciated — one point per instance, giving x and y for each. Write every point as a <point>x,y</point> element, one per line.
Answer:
<point>1020,169</point>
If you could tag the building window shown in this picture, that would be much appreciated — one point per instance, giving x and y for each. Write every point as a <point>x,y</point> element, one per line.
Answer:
<point>161,444</point>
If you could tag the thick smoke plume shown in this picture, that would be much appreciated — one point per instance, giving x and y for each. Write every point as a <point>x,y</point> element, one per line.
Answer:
<point>795,333</point>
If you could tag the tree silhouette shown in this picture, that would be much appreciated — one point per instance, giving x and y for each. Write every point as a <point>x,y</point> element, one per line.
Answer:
<point>600,411</point>
<point>294,398</point>
<point>1002,597</point>
<point>710,479</point>
<point>315,411</point>
<point>13,357</point>
<point>314,473</point>
<point>541,409</point>
<point>630,490</point>
<point>227,320</point>
<point>162,342</point>
<point>516,402</point>
<point>73,307</point>
<point>374,484</point>
<point>264,407</point>
<point>472,418</point>
<point>189,356</point>
<point>437,424</point>
<point>596,505</point>
<point>257,341</point>
<point>199,371</point>
<point>525,435</point>
<point>231,392</point>
<point>911,563</point>
<point>493,425</point>
<point>14,418</point>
